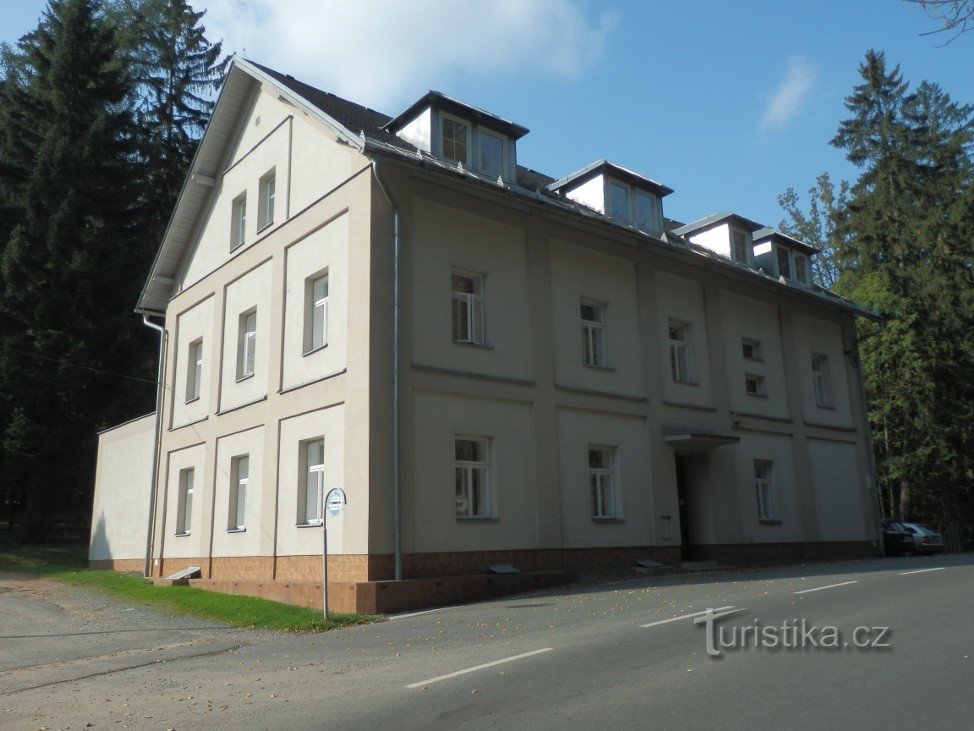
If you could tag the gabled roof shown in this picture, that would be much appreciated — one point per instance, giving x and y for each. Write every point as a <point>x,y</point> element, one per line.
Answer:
<point>604,167</point>
<point>461,109</point>
<point>770,234</point>
<point>717,219</point>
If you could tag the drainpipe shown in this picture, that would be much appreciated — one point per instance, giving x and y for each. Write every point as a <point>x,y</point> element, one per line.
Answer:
<point>156,444</point>
<point>396,258</point>
<point>853,355</point>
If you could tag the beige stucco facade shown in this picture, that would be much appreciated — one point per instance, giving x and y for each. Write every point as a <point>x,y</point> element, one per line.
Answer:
<point>524,392</point>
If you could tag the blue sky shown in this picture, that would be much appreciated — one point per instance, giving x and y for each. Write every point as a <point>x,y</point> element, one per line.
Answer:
<point>728,102</point>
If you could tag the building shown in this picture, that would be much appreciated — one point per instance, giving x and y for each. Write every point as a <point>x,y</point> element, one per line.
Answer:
<point>494,365</point>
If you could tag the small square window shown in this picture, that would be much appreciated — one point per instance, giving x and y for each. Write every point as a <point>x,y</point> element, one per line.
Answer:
<point>472,471</point>
<point>751,349</point>
<point>754,385</point>
<point>265,205</point>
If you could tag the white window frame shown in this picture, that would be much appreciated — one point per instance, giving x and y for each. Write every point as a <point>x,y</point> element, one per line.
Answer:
<point>735,255</point>
<point>680,367</point>
<point>468,308</point>
<point>609,185</point>
<point>593,334</point>
<point>184,507</point>
<point>603,500</point>
<point>444,117</point>
<point>758,381</point>
<point>316,305</point>
<point>757,351</point>
<point>247,344</point>
<point>482,135</point>
<point>764,489</point>
<point>312,493</point>
<point>655,225</point>
<point>464,470</point>
<point>822,381</point>
<point>239,484</point>
<point>238,221</point>
<point>194,370</point>
<point>265,205</point>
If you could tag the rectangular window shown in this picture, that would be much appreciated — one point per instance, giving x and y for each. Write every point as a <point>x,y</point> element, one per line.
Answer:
<point>194,375</point>
<point>246,344</point>
<point>184,510</point>
<point>593,334</point>
<point>454,139</point>
<point>754,384</point>
<point>679,354</point>
<point>648,215</point>
<point>820,377</point>
<point>784,262</point>
<point>600,479</point>
<point>468,307</point>
<point>739,246</point>
<point>313,464</point>
<point>762,487</point>
<point>239,479</point>
<point>238,223</point>
<point>316,312</point>
<point>751,349</point>
<point>265,212</point>
<point>801,269</point>
<point>472,467</point>
<point>491,155</point>
<point>618,202</point>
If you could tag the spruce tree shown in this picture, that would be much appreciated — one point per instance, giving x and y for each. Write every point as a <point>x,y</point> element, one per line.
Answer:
<point>69,263</point>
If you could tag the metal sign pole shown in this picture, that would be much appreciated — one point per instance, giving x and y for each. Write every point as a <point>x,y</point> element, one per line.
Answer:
<point>324,566</point>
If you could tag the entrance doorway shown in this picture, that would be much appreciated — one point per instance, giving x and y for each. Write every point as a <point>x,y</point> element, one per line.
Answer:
<point>689,551</point>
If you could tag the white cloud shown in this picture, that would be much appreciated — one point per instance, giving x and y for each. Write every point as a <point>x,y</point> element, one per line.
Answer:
<point>385,53</point>
<point>788,97</point>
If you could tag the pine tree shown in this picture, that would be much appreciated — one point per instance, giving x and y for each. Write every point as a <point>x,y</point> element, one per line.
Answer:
<point>817,226</point>
<point>906,248</point>
<point>67,145</point>
<point>176,72</point>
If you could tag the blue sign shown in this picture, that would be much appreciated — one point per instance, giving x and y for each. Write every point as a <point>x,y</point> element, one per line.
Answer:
<point>335,501</point>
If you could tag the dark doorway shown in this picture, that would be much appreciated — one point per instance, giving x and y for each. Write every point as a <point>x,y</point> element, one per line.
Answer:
<point>687,549</point>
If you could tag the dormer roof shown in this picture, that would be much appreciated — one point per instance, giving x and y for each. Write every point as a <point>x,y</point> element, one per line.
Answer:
<point>771,234</point>
<point>604,167</point>
<point>461,109</point>
<point>718,219</point>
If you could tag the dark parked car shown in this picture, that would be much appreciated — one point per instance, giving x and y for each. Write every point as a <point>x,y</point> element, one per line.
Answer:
<point>897,540</point>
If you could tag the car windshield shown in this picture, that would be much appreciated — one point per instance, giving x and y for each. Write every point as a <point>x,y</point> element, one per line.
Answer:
<point>926,529</point>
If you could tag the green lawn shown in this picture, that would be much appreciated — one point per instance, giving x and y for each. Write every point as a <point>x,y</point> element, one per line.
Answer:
<point>69,565</point>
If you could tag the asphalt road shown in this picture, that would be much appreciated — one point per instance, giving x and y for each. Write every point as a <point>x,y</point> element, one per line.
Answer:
<point>622,655</point>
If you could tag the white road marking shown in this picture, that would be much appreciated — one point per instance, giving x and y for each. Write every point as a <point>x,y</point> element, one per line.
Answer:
<point>438,678</point>
<point>830,586</point>
<point>683,616</point>
<point>922,571</point>
<point>416,614</point>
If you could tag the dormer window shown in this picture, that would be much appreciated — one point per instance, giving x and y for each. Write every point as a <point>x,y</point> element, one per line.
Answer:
<point>784,262</point>
<point>491,154</point>
<point>649,214</point>
<point>801,269</point>
<point>739,246</point>
<point>455,134</point>
<point>617,201</point>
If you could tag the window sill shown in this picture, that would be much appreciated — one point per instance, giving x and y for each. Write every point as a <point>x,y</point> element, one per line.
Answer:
<point>309,525</point>
<point>470,344</point>
<point>236,530</point>
<point>752,359</point>
<point>241,379</point>
<point>597,367</point>
<point>264,227</point>
<point>237,246</point>
<point>827,407</point>
<point>192,400</point>
<point>182,535</point>
<point>686,383</point>
<point>608,520</point>
<point>769,521</point>
<point>756,395</point>
<point>476,519</point>
<point>306,353</point>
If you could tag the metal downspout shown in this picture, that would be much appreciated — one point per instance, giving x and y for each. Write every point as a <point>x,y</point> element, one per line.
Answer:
<point>156,444</point>
<point>396,258</point>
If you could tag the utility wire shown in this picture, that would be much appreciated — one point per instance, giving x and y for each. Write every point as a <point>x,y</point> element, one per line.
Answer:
<point>84,367</point>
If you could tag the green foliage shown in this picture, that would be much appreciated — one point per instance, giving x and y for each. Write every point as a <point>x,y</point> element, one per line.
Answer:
<point>817,226</point>
<point>903,244</point>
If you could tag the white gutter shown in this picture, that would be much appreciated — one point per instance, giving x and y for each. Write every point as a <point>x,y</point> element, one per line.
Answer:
<point>156,443</point>
<point>396,280</point>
